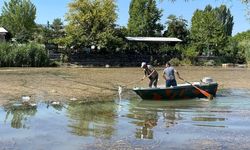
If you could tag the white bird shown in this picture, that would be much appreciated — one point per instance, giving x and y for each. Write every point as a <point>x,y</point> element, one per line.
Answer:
<point>25,98</point>
<point>119,90</point>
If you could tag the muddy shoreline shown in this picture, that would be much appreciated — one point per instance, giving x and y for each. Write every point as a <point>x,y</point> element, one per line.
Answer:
<point>99,84</point>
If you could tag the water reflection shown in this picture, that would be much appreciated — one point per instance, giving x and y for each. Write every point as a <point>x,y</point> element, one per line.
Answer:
<point>171,117</point>
<point>147,114</point>
<point>19,114</point>
<point>97,119</point>
<point>210,119</point>
<point>146,121</point>
<point>58,107</point>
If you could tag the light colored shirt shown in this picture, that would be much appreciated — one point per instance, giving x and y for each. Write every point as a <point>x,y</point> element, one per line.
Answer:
<point>169,73</point>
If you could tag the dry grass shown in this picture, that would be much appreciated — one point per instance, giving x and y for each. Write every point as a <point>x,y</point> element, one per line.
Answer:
<point>62,84</point>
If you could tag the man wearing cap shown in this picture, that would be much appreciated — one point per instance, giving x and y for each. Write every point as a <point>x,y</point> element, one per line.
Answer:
<point>151,73</point>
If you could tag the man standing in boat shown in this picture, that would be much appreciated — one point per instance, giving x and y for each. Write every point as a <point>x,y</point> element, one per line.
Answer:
<point>169,75</point>
<point>151,73</point>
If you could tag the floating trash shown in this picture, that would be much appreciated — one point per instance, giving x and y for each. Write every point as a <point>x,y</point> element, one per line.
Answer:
<point>33,104</point>
<point>55,103</point>
<point>73,99</point>
<point>25,98</point>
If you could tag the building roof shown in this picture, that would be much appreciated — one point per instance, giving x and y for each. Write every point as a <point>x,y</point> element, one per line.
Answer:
<point>2,30</point>
<point>153,39</point>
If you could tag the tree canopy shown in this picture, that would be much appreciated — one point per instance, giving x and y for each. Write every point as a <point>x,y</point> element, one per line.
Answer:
<point>224,15</point>
<point>243,39</point>
<point>207,31</point>
<point>242,36</point>
<point>18,17</point>
<point>177,27</point>
<point>144,17</point>
<point>91,22</point>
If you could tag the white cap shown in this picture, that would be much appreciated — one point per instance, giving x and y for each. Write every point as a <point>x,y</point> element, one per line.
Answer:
<point>143,64</point>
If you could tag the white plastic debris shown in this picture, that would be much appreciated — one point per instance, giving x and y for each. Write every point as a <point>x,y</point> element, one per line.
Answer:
<point>25,98</point>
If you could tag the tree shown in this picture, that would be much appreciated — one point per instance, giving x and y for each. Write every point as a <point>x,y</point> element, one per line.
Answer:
<point>119,45</point>
<point>136,21</point>
<point>207,32</point>
<point>90,23</point>
<point>177,27</point>
<point>47,33</point>
<point>246,2</point>
<point>243,39</point>
<point>144,17</point>
<point>153,15</point>
<point>44,33</point>
<point>57,31</point>
<point>18,17</point>
<point>50,34</point>
<point>224,15</point>
<point>242,36</point>
<point>233,52</point>
<point>243,1</point>
<point>57,27</point>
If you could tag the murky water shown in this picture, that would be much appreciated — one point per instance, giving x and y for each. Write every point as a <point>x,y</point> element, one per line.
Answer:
<point>223,123</point>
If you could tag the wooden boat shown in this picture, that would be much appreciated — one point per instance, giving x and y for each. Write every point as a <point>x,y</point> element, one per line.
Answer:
<point>181,91</point>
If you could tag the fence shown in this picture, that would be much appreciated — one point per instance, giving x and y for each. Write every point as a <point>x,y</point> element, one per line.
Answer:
<point>116,60</point>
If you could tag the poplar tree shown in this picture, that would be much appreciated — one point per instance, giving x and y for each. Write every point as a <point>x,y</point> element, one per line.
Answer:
<point>207,32</point>
<point>224,15</point>
<point>144,17</point>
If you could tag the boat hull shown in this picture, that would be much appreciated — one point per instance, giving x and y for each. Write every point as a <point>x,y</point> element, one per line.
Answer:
<point>177,92</point>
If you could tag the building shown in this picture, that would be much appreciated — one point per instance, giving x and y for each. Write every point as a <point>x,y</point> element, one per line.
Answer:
<point>3,33</point>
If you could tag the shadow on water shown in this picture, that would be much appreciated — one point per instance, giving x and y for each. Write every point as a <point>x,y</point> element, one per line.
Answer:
<point>131,124</point>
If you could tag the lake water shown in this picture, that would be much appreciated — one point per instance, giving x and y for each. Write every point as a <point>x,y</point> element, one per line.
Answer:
<point>223,123</point>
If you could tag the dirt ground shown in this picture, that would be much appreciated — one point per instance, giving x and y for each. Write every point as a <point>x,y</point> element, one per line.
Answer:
<point>91,84</point>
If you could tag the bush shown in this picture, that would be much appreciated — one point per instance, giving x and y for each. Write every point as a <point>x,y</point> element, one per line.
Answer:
<point>175,62</point>
<point>6,57</point>
<point>245,45</point>
<point>186,62</point>
<point>38,54</point>
<point>14,55</point>
<point>191,54</point>
<point>55,64</point>
<point>21,54</point>
<point>233,52</point>
<point>210,63</point>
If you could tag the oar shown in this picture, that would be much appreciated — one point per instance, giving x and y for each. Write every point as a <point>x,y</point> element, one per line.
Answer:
<point>209,96</point>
